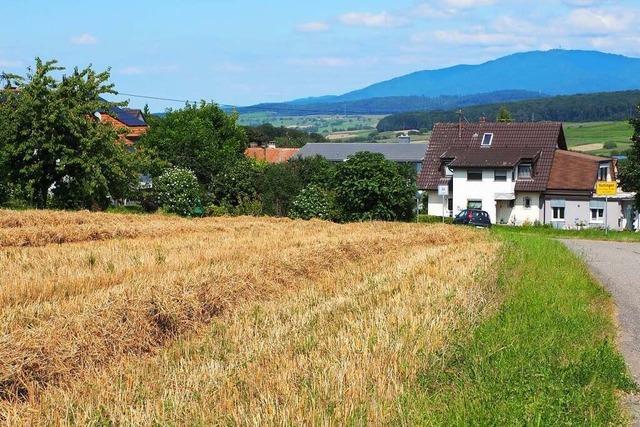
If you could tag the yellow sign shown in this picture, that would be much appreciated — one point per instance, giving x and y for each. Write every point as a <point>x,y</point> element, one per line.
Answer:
<point>606,188</point>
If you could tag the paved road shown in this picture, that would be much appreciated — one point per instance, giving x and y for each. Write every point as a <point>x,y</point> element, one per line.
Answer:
<point>617,265</point>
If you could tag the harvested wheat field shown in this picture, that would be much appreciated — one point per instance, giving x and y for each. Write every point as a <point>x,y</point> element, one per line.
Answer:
<point>140,320</point>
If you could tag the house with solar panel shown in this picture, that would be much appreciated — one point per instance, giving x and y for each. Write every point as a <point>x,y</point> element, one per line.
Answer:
<point>520,173</point>
<point>130,123</point>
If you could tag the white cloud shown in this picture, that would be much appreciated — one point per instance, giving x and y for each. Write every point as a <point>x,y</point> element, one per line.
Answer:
<point>379,20</point>
<point>467,4</point>
<point>598,21</point>
<point>312,27</point>
<point>84,39</point>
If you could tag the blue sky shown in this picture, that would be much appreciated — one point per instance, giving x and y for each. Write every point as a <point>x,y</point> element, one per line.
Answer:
<point>248,51</point>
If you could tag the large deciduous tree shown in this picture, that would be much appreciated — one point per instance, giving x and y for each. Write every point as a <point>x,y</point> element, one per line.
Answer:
<point>200,137</point>
<point>51,144</point>
<point>369,187</point>
<point>630,169</point>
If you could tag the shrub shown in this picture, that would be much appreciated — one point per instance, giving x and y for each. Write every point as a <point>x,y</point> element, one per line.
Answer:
<point>369,187</point>
<point>177,191</point>
<point>217,211</point>
<point>610,145</point>
<point>312,202</point>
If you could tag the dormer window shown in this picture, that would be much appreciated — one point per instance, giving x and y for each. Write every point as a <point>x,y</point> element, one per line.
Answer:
<point>447,170</point>
<point>487,139</point>
<point>525,171</point>
<point>603,173</point>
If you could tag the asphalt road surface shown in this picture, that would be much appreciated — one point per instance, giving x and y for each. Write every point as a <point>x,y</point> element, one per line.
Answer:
<point>617,266</point>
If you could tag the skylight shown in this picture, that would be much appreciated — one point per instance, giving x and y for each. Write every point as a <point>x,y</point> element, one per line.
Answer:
<point>487,139</point>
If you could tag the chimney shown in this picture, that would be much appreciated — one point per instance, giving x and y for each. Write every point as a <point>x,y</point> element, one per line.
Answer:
<point>271,145</point>
<point>483,119</point>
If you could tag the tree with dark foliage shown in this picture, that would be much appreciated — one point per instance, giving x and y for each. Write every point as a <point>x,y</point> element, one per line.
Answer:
<point>630,169</point>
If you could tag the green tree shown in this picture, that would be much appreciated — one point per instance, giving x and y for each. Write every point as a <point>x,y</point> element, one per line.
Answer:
<point>314,170</point>
<point>630,169</point>
<point>278,187</point>
<point>504,116</point>
<point>369,187</point>
<point>202,138</point>
<point>237,183</point>
<point>50,141</point>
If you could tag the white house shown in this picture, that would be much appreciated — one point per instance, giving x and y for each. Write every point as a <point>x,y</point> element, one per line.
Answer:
<point>520,173</point>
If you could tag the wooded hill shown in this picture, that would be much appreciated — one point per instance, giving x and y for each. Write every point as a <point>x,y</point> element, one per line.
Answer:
<point>608,106</point>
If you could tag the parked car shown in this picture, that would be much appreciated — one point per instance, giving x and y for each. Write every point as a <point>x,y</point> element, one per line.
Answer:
<point>473,217</point>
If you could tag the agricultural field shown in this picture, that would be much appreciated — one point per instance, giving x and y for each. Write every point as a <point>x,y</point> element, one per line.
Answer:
<point>114,319</point>
<point>144,320</point>
<point>321,124</point>
<point>599,138</point>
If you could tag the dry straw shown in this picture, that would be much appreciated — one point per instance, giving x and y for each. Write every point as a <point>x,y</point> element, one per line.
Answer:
<point>302,311</point>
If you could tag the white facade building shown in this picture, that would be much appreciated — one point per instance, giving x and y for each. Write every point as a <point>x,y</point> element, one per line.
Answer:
<point>520,173</point>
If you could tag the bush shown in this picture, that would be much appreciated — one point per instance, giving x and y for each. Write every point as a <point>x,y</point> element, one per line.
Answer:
<point>177,191</point>
<point>369,187</point>
<point>610,145</point>
<point>312,202</point>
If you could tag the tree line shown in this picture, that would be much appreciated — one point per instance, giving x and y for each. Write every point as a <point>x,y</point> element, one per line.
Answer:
<point>611,106</point>
<point>55,153</point>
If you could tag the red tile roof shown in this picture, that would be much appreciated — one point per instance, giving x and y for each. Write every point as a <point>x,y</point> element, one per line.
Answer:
<point>575,171</point>
<point>509,140</point>
<point>271,155</point>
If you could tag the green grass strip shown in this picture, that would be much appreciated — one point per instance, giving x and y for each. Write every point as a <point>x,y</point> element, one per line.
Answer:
<point>547,357</point>
<point>588,234</point>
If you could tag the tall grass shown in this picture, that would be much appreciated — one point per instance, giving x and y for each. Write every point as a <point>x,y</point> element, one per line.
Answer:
<point>228,320</point>
<point>548,357</point>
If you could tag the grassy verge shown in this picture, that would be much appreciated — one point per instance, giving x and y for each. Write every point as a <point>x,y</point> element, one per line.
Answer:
<point>588,234</point>
<point>547,357</point>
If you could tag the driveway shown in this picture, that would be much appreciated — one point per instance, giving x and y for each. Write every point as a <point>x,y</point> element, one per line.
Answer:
<point>617,265</point>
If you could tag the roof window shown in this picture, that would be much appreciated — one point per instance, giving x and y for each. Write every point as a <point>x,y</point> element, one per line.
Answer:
<point>487,139</point>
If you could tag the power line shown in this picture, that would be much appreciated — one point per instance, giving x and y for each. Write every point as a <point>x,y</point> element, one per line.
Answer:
<point>157,98</point>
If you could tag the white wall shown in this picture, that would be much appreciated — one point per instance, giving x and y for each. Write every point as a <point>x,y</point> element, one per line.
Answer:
<point>484,190</point>
<point>521,215</point>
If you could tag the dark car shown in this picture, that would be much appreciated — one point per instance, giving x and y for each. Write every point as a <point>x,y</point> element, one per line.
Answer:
<point>473,217</point>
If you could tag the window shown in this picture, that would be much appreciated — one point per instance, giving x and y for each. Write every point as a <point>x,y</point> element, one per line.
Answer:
<point>603,173</point>
<point>597,215</point>
<point>524,171</point>
<point>487,139</point>
<point>474,175</point>
<point>527,202</point>
<point>500,175</point>
<point>450,204</point>
<point>474,204</point>
<point>447,170</point>
<point>558,213</point>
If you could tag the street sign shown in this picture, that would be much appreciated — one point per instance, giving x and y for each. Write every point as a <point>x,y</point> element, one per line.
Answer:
<point>443,190</point>
<point>606,188</point>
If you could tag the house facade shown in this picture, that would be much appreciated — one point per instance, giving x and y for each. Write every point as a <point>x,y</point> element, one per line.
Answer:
<point>520,173</point>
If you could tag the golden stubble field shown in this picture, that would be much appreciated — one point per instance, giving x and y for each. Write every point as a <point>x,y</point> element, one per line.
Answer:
<point>136,320</point>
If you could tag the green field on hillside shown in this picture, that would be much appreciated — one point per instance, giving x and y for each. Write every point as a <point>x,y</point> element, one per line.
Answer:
<point>592,137</point>
<point>320,124</point>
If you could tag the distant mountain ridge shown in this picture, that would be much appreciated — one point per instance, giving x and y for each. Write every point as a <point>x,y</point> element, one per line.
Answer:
<point>390,105</point>
<point>539,73</point>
